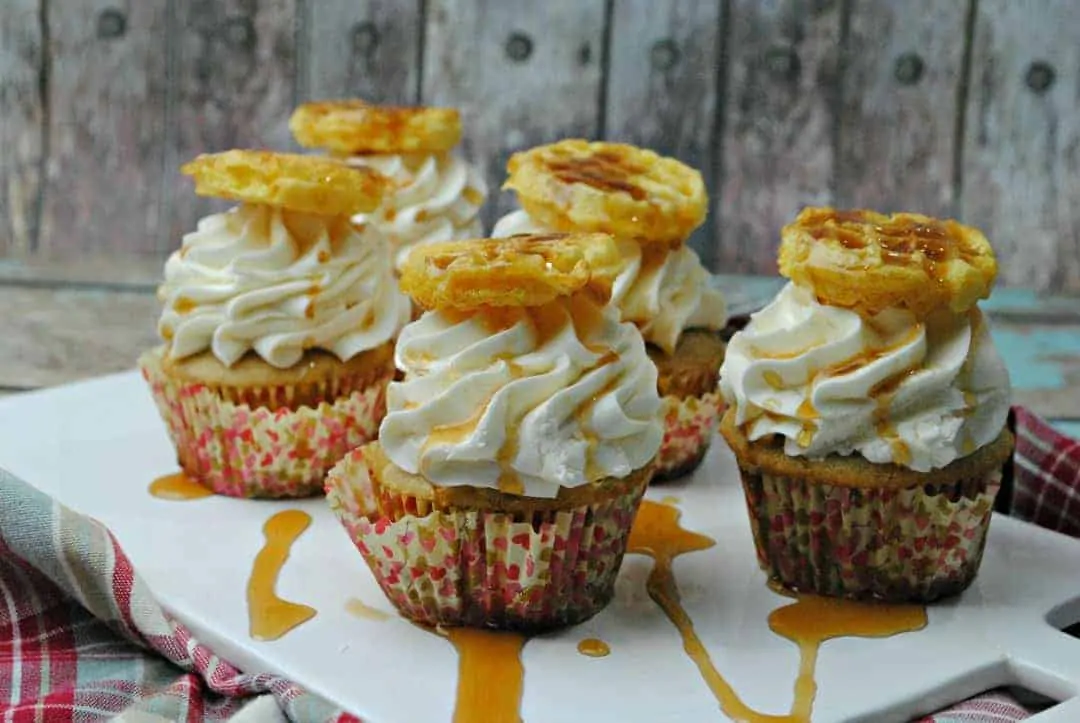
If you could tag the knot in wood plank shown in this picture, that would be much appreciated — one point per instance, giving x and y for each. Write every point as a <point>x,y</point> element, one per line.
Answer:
<point>783,64</point>
<point>519,47</point>
<point>111,24</point>
<point>365,38</point>
<point>664,54</point>
<point>1040,76</point>
<point>908,69</point>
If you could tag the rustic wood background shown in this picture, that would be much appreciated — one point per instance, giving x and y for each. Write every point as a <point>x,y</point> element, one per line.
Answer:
<point>958,107</point>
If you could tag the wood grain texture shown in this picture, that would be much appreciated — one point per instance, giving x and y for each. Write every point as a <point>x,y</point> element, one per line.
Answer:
<point>233,86</point>
<point>777,151</point>
<point>902,70</point>
<point>106,129</point>
<point>550,91</point>
<point>662,83</point>
<point>22,114</point>
<point>120,271</point>
<point>57,336</point>
<point>366,49</point>
<point>1021,171</point>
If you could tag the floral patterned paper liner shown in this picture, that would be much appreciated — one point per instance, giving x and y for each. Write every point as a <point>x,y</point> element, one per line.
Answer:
<point>486,569</point>
<point>912,544</point>
<point>689,426</point>
<point>242,452</point>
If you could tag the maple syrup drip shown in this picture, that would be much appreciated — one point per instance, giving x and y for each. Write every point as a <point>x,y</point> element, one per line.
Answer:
<point>178,487</point>
<point>806,410</point>
<point>594,648</point>
<point>490,675</point>
<point>773,379</point>
<point>811,620</point>
<point>473,196</point>
<point>602,171</point>
<point>359,609</point>
<point>762,354</point>
<point>808,621</point>
<point>451,434</point>
<point>269,616</point>
<point>870,355</point>
<point>183,305</point>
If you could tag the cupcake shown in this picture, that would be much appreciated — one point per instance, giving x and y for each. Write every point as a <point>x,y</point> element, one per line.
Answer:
<point>867,408</point>
<point>651,204</point>
<point>434,196</point>
<point>278,325</point>
<point>515,451</point>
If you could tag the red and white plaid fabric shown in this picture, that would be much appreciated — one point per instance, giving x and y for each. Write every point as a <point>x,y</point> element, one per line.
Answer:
<point>1046,485</point>
<point>82,639</point>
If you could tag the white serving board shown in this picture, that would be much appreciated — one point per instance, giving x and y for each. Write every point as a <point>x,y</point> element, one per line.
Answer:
<point>97,445</point>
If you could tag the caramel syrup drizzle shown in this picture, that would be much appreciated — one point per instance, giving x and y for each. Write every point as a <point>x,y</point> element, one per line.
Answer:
<point>178,487</point>
<point>594,648</point>
<point>808,622</point>
<point>490,675</point>
<point>359,609</point>
<point>269,616</point>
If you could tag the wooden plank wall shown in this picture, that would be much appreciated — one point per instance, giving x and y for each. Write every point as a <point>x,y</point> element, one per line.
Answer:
<point>959,107</point>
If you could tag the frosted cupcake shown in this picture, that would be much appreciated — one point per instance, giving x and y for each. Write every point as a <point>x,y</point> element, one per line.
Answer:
<point>651,204</point>
<point>278,325</point>
<point>515,452</point>
<point>867,408</point>
<point>434,196</point>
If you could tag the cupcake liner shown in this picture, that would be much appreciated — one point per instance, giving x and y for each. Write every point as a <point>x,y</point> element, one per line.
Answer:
<point>505,570</point>
<point>912,544</point>
<point>240,451</point>
<point>689,426</point>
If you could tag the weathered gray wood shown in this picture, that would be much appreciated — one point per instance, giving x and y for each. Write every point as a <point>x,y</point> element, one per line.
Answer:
<point>523,73</point>
<point>233,85</point>
<point>900,91</point>
<point>127,271</point>
<point>661,84</point>
<point>1021,172</point>
<point>21,117</point>
<point>56,336</point>
<point>777,152</point>
<point>367,49</point>
<point>106,126</point>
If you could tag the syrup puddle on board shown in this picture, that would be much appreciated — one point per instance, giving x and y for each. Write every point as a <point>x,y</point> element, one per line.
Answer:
<point>490,674</point>
<point>178,487</point>
<point>359,609</point>
<point>269,616</point>
<point>594,648</point>
<point>808,622</point>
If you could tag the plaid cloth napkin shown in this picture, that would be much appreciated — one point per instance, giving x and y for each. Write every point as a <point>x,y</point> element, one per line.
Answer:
<point>82,638</point>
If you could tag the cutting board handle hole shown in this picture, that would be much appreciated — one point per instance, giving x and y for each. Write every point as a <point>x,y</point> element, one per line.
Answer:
<point>1066,618</point>
<point>1034,688</point>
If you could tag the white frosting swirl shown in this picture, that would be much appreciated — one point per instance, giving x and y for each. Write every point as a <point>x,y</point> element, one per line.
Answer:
<point>436,198</point>
<point>892,388</point>
<point>279,282</point>
<point>663,293</point>
<point>525,401</point>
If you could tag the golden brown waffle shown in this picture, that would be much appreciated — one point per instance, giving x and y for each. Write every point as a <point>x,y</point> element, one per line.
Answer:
<point>353,126</point>
<point>575,185</point>
<point>298,183</point>
<point>869,262</point>
<point>525,270</point>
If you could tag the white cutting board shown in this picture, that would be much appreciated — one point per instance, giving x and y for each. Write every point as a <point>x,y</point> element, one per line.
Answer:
<point>97,445</point>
